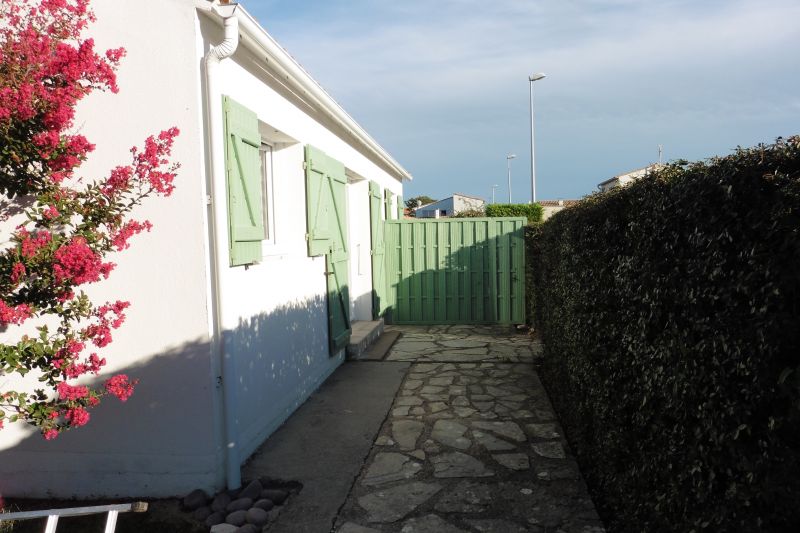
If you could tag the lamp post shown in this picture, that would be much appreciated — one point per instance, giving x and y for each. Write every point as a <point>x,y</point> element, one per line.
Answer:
<point>493,189</point>
<point>532,78</point>
<point>509,157</point>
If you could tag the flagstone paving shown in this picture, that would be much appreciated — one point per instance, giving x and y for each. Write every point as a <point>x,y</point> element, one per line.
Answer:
<point>471,445</point>
<point>462,344</point>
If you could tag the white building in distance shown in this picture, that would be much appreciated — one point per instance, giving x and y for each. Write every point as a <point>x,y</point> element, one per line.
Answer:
<point>450,206</point>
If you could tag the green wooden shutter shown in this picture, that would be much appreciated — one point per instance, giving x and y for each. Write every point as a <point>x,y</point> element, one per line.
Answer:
<point>388,206</point>
<point>377,251</point>
<point>326,216</point>
<point>243,178</point>
<point>400,208</point>
<point>320,212</point>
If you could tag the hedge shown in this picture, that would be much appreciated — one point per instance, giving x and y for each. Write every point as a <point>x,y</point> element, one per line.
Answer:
<point>532,211</point>
<point>670,314</point>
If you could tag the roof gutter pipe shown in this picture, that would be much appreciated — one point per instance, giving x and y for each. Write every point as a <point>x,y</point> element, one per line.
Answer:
<point>218,248</point>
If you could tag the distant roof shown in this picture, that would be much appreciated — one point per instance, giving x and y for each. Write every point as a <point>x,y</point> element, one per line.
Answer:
<point>652,166</point>
<point>557,203</point>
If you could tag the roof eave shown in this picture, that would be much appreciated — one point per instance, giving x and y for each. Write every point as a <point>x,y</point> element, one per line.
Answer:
<point>298,79</point>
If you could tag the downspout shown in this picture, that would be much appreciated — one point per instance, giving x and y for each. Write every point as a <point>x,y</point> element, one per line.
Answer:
<point>218,248</point>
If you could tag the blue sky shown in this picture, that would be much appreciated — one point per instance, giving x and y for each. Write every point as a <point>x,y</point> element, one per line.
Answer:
<point>443,85</point>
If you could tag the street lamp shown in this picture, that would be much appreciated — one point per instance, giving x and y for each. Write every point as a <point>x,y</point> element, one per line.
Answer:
<point>532,78</point>
<point>509,157</point>
<point>493,188</point>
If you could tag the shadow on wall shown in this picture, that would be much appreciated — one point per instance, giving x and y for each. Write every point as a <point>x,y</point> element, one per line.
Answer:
<point>280,358</point>
<point>167,438</point>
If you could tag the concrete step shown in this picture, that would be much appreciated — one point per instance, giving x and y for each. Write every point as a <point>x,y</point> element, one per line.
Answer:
<point>365,332</point>
<point>378,351</point>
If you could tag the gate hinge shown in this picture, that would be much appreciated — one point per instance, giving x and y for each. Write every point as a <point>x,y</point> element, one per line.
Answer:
<point>308,236</point>
<point>208,199</point>
<point>305,165</point>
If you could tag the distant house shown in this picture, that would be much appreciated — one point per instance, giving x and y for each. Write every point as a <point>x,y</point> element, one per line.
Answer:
<point>450,206</point>
<point>624,179</point>
<point>551,207</point>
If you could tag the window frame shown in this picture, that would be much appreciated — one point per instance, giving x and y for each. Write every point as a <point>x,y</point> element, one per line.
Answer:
<point>266,154</point>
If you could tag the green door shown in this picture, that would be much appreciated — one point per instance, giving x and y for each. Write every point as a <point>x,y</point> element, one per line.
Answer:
<point>377,251</point>
<point>326,213</point>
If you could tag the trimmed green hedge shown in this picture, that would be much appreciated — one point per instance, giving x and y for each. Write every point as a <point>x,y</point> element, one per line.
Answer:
<point>531,234</point>
<point>670,313</point>
<point>471,213</point>
<point>532,211</point>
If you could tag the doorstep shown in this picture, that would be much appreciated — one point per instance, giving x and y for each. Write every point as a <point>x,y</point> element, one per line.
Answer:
<point>365,332</point>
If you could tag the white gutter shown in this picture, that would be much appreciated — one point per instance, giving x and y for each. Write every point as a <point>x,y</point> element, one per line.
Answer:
<point>218,249</point>
<point>289,72</point>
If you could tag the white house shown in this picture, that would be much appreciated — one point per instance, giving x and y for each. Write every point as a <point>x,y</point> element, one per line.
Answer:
<point>243,293</point>
<point>551,207</point>
<point>627,177</point>
<point>450,206</point>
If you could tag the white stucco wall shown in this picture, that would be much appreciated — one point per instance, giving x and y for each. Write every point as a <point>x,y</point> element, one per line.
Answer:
<point>168,438</point>
<point>274,313</point>
<point>464,203</point>
<point>360,258</point>
<point>163,439</point>
<point>429,211</point>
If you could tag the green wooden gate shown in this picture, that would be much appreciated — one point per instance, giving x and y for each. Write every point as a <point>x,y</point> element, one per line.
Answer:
<point>327,234</point>
<point>456,271</point>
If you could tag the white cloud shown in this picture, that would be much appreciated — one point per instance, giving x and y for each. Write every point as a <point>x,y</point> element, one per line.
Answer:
<point>420,70</point>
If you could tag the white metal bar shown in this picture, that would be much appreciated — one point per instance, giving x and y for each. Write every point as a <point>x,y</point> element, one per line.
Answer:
<point>135,507</point>
<point>52,523</point>
<point>111,523</point>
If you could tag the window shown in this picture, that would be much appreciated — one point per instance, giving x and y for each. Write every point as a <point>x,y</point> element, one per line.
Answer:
<point>265,153</point>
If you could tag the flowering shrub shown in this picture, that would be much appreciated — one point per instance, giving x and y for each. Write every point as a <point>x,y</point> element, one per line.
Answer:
<point>46,68</point>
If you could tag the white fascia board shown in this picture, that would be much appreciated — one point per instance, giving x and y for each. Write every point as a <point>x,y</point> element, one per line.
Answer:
<point>278,61</point>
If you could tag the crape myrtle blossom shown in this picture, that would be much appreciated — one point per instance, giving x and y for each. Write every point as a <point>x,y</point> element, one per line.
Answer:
<point>46,67</point>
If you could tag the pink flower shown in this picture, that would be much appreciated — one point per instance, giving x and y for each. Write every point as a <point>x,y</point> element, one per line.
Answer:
<point>69,393</point>
<point>100,334</point>
<point>17,272</point>
<point>118,181</point>
<point>50,212</point>
<point>77,417</point>
<point>120,239</point>
<point>108,316</point>
<point>50,434</point>
<point>120,387</point>
<point>95,364</point>
<point>32,243</point>
<point>14,315</point>
<point>148,164</point>
<point>77,263</point>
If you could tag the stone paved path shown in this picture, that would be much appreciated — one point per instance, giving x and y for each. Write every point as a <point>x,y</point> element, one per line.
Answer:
<point>471,444</point>
<point>462,344</point>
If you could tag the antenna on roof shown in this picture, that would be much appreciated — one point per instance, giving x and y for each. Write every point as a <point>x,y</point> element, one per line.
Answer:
<point>660,152</point>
